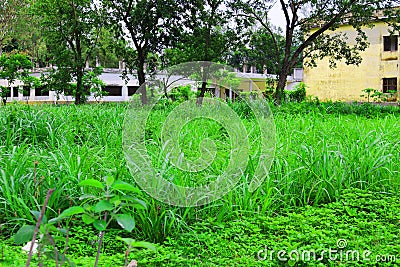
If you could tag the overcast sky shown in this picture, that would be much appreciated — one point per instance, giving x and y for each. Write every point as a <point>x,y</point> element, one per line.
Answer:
<point>277,16</point>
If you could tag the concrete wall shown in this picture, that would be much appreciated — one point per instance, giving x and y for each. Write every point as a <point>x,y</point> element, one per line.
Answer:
<point>250,82</point>
<point>346,82</point>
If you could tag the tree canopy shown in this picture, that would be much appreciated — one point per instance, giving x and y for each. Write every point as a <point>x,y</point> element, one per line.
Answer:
<point>12,68</point>
<point>313,19</point>
<point>71,29</point>
<point>149,35</point>
<point>146,27</point>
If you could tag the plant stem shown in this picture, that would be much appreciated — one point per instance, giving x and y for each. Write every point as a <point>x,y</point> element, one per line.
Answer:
<point>65,248</point>
<point>38,225</point>
<point>100,243</point>
<point>54,247</point>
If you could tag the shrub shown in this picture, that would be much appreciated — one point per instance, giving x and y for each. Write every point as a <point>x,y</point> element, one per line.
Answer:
<point>298,94</point>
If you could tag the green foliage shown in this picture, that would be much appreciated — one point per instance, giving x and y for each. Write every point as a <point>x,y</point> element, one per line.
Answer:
<point>12,68</point>
<point>369,92</point>
<point>365,219</point>
<point>148,28</point>
<point>377,96</point>
<point>181,93</point>
<point>24,234</point>
<point>323,150</point>
<point>9,21</point>
<point>209,32</point>
<point>110,203</point>
<point>298,94</point>
<point>259,51</point>
<point>302,40</point>
<point>71,30</point>
<point>48,236</point>
<point>93,83</point>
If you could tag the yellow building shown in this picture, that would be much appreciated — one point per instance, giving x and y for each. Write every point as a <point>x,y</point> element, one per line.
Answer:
<point>379,69</point>
<point>256,81</point>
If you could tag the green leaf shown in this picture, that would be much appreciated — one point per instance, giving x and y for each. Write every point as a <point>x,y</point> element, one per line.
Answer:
<point>24,234</point>
<point>139,202</point>
<point>123,186</point>
<point>54,220</point>
<point>135,202</point>
<point>86,218</point>
<point>109,180</point>
<point>137,244</point>
<point>71,212</point>
<point>100,225</point>
<point>87,196</point>
<point>125,221</point>
<point>128,241</point>
<point>91,182</point>
<point>62,230</point>
<point>103,205</point>
<point>50,229</point>
<point>142,244</point>
<point>37,215</point>
<point>115,200</point>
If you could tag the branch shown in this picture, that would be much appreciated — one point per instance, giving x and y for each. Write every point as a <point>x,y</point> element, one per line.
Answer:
<point>285,11</point>
<point>320,31</point>
<point>98,28</point>
<point>266,26</point>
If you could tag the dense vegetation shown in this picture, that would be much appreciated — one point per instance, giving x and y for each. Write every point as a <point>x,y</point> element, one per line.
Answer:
<point>150,35</point>
<point>335,176</point>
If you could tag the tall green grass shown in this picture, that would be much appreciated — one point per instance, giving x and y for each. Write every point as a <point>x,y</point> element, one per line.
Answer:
<point>321,150</point>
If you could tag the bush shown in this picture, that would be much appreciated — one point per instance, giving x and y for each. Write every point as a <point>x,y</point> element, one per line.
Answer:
<point>298,94</point>
<point>181,93</point>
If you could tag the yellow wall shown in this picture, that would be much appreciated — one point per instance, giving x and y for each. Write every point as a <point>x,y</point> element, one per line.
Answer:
<point>257,84</point>
<point>346,82</point>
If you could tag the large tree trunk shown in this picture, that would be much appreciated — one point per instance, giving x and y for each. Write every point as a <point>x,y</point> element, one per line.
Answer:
<point>206,68</point>
<point>205,76</point>
<point>202,93</point>
<point>79,94</point>
<point>280,87</point>
<point>79,87</point>
<point>287,62</point>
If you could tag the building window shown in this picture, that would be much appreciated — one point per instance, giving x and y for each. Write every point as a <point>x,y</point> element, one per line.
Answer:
<point>230,93</point>
<point>26,91</point>
<point>389,84</point>
<point>41,91</point>
<point>15,91</point>
<point>132,90</point>
<point>114,90</point>
<point>390,43</point>
<point>7,92</point>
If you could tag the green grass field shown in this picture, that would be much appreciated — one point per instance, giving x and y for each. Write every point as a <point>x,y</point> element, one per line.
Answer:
<point>335,176</point>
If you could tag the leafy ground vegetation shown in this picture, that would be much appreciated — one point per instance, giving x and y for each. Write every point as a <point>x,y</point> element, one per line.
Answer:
<point>334,185</point>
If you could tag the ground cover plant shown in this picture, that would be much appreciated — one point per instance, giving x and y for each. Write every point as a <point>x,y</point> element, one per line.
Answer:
<point>331,158</point>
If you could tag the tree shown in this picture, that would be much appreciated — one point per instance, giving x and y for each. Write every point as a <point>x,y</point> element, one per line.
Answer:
<point>259,51</point>
<point>105,52</point>
<point>71,29</point>
<point>9,14</point>
<point>12,68</point>
<point>29,38</point>
<point>147,27</point>
<point>314,20</point>
<point>211,33</point>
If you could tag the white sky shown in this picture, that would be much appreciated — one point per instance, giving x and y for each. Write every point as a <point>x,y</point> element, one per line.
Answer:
<point>277,16</point>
